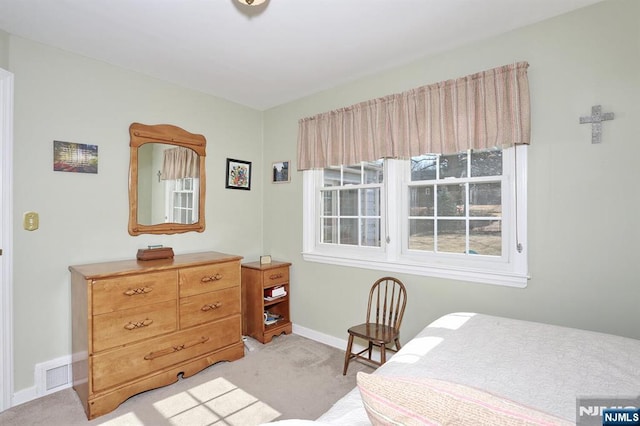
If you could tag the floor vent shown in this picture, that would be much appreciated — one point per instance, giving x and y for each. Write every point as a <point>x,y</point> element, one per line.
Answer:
<point>54,375</point>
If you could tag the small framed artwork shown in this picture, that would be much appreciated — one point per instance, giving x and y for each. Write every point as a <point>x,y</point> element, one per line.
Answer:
<point>238,174</point>
<point>75,157</point>
<point>281,172</point>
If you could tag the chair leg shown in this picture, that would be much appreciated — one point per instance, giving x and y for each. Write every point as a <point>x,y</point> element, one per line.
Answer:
<point>383,354</point>
<point>347,355</point>
<point>370,350</point>
<point>398,347</point>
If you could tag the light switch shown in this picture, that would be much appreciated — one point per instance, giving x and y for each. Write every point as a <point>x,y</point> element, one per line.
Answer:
<point>31,221</point>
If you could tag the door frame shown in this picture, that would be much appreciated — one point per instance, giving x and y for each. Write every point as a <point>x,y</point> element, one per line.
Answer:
<point>6,239</point>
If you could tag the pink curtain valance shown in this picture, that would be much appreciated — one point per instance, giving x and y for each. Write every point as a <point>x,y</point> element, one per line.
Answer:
<point>483,110</point>
<point>180,163</point>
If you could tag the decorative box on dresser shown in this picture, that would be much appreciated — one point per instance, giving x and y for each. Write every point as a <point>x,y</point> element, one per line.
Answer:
<point>138,325</point>
<point>256,279</point>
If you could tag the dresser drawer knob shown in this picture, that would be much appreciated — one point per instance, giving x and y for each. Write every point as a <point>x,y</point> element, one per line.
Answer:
<point>173,349</point>
<point>140,290</point>
<point>138,324</point>
<point>216,277</point>
<point>211,306</point>
<point>275,276</point>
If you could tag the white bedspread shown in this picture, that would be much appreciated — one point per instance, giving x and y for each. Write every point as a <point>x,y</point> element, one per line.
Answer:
<point>543,366</point>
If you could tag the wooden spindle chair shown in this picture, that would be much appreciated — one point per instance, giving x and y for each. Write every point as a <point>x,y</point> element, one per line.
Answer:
<point>387,300</point>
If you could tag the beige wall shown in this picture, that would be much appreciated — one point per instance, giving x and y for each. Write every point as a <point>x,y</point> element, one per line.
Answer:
<point>4,50</point>
<point>83,217</point>
<point>583,198</point>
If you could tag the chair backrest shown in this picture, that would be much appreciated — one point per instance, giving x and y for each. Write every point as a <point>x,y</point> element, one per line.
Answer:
<point>387,300</point>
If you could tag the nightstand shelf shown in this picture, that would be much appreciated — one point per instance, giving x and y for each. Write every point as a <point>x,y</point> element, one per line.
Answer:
<point>268,303</point>
<point>256,279</point>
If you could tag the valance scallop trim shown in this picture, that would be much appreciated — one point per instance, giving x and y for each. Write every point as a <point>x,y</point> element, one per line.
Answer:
<point>483,110</point>
<point>180,163</point>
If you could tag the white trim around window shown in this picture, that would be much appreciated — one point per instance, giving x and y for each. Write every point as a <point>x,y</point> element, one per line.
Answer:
<point>510,269</point>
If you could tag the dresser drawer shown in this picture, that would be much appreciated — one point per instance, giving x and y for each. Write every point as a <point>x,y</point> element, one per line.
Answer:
<point>202,279</point>
<point>210,306</point>
<point>130,325</point>
<point>129,291</point>
<point>275,276</point>
<point>124,365</point>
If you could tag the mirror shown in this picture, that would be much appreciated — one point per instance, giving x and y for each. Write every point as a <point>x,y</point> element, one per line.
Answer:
<point>166,180</point>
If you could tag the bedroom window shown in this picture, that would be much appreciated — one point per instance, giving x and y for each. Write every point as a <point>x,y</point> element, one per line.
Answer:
<point>181,200</point>
<point>455,203</point>
<point>350,205</point>
<point>460,216</point>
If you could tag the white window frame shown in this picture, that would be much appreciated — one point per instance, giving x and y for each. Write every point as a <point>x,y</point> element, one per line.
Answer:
<point>350,186</point>
<point>170,190</point>
<point>510,269</point>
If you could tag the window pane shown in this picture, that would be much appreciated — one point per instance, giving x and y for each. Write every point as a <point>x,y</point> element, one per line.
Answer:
<point>328,203</point>
<point>486,163</point>
<point>373,172</point>
<point>451,200</point>
<point>421,234</point>
<point>423,167</point>
<point>454,165</point>
<point>370,232</point>
<point>421,201</point>
<point>349,231</point>
<point>485,237</point>
<point>349,202</point>
<point>350,205</point>
<point>370,202</point>
<point>352,175</point>
<point>485,199</point>
<point>452,236</point>
<point>329,226</point>
<point>331,177</point>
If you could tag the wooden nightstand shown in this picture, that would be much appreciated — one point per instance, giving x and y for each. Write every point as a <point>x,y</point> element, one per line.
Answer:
<point>257,281</point>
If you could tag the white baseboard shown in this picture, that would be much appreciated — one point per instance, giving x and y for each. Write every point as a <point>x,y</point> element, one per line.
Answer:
<point>25,395</point>
<point>49,377</point>
<point>320,337</point>
<point>330,340</point>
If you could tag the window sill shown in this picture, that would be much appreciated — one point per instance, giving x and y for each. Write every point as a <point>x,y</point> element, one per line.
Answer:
<point>508,279</point>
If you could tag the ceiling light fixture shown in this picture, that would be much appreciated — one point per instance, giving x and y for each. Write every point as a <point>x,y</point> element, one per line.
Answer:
<point>251,2</point>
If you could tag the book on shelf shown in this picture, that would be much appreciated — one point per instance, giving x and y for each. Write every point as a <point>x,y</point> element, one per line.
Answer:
<point>269,299</point>
<point>277,291</point>
<point>270,318</point>
<point>274,293</point>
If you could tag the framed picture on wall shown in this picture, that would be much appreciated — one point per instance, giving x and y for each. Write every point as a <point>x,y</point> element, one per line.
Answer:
<point>238,174</point>
<point>75,157</point>
<point>281,172</point>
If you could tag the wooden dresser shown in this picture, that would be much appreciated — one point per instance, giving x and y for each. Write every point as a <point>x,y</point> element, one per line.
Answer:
<point>138,325</point>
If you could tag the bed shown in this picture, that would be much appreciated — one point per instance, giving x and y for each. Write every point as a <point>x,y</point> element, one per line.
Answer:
<point>541,370</point>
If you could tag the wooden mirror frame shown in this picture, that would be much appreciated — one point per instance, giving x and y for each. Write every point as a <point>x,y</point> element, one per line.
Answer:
<point>172,135</point>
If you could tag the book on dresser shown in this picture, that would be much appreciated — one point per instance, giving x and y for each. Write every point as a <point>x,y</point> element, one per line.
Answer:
<point>137,325</point>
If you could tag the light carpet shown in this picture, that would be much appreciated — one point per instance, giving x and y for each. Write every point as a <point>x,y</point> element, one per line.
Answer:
<point>290,377</point>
